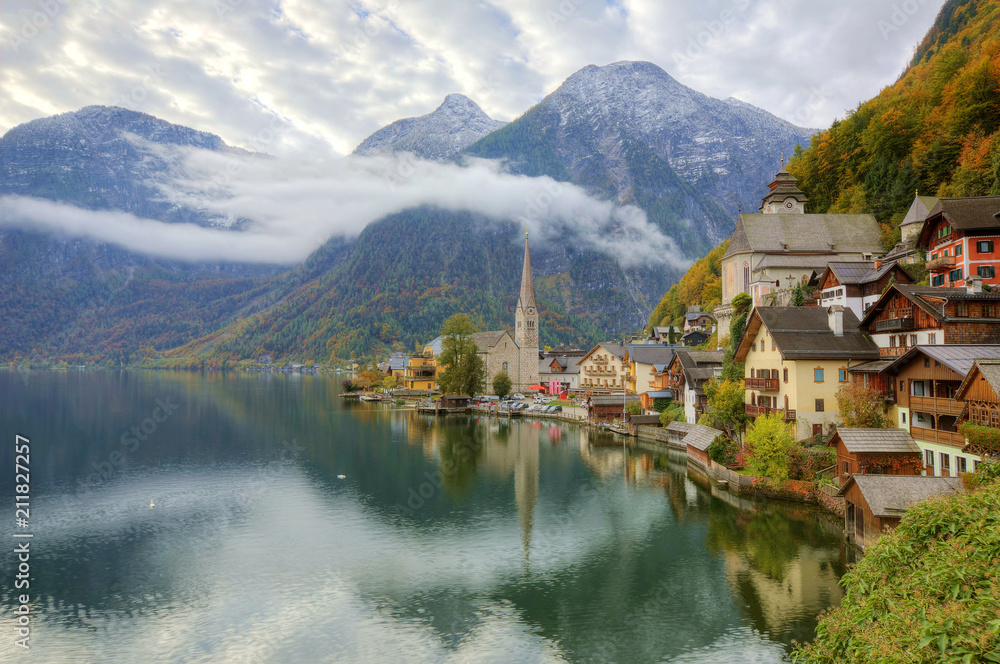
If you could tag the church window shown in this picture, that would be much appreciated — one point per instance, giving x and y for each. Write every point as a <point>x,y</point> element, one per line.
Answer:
<point>504,367</point>
<point>746,274</point>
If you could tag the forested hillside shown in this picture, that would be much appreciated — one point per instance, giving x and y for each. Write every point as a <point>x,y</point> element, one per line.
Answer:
<point>934,131</point>
<point>701,285</point>
<point>381,298</point>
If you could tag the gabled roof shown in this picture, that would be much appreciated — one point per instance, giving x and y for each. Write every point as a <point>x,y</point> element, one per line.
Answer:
<point>611,347</point>
<point>958,358</point>
<point>888,496</point>
<point>699,365</point>
<point>964,214</point>
<point>876,441</point>
<point>929,299</point>
<point>701,436</point>
<point>487,340</point>
<point>571,365</point>
<point>987,369</point>
<point>652,354</point>
<point>435,345</point>
<point>859,273</point>
<point>805,234</point>
<point>804,333</point>
<point>919,209</point>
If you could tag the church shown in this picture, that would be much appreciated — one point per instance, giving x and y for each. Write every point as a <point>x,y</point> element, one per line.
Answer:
<point>517,355</point>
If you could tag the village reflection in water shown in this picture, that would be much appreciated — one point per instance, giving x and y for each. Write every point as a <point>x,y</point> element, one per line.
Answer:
<point>782,560</point>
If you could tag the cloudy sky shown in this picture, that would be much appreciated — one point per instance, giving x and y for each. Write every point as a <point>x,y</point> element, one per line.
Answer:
<point>330,73</point>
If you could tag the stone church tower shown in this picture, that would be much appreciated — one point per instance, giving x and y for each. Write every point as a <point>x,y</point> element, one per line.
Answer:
<point>526,327</point>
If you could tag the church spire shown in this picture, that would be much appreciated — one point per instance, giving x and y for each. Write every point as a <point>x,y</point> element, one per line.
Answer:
<point>526,298</point>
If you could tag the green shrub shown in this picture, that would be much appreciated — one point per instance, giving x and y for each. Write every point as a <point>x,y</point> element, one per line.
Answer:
<point>928,591</point>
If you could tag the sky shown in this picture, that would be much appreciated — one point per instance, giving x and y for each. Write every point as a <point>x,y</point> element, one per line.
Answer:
<point>292,75</point>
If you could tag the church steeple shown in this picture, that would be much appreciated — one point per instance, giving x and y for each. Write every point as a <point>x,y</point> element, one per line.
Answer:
<point>526,299</point>
<point>526,324</point>
<point>784,194</point>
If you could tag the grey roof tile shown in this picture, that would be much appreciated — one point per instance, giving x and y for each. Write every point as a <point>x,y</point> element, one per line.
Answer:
<point>875,441</point>
<point>891,495</point>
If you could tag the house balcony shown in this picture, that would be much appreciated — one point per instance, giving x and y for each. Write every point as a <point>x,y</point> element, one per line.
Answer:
<point>599,361</point>
<point>762,384</point>
<point>893,351</point>
<point>601,372</point>
<point>936,405</point>
<point>941,264</point>
<point>902,324</point>
<point>756,411</point>
<point>950,438</point>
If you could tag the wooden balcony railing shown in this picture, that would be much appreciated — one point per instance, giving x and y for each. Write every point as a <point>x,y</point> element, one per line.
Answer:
<point>902,324</point>
<point>762,384</point>
<point>952,438</point>
<point>756,411</point>
<point>941,264</point>
<point>936,405</point>
<point>893,351</point>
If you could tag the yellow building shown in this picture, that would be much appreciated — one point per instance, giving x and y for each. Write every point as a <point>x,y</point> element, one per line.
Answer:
<point>796,359</point>
<point>645,361</point>
<point>420,373</point>
<point>604,368</point>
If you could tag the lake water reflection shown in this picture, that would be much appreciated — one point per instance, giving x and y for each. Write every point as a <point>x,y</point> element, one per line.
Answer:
<point>457,539</point>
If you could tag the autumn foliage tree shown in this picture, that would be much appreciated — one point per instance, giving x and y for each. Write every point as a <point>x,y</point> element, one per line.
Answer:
<point>725,410</point>
<point>464,370</point>
<point>862,408</point>
<point>769,441</point>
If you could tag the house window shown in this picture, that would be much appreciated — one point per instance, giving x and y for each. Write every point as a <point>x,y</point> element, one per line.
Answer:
<point>902,418</point>
<point>984,246</point>
<point>929,458</point>
<point>845,467</point>
<point>842,374</point>
<point>945,462</point>
<point>961,462</point>
<point>962,309</point>
<point>773,347</point>
<point>817,375</point>
<point>902,385</point>
<point>819,405</point>
<point>753,346</point>
<point>932,338</point>
<point>913,340</point>
<point>892,341</point>
<point>958,250</point>
<point>927,361</point>
<point>986,271</point>
<point>785,372</point>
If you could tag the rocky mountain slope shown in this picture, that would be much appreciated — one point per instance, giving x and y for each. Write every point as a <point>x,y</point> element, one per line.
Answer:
<point>631,132</point>
<point>456,124</point>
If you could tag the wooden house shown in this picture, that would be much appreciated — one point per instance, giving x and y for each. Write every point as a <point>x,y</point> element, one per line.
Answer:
<point>688,372</point>
<point>608,408</point>
<point>858,285</point>
<point>875,452</point>
<point>907,316</point>
<point>927,379</point>
<point>698,440</point>
<point>980,392</point>
<point>876,503</point>
<point>962,239</point>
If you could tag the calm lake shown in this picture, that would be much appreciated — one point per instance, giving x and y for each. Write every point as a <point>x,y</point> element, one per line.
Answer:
<point>291,527</point>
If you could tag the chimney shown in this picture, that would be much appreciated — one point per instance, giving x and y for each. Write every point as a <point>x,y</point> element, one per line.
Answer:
<point>974,284</point>
<point>878,264</point>
<point>835,318</point>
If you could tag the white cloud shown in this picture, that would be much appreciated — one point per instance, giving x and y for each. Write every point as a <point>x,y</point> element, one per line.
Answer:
<point>337,71</point>
<point>295,203</point>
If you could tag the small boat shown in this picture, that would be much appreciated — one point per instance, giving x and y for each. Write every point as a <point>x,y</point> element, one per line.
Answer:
<point>369,397</point>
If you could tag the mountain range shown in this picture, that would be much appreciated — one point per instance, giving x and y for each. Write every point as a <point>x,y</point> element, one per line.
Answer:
<point>626,133</point>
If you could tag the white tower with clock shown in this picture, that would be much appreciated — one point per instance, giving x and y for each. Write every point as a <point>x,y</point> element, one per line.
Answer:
<point>526,325</point>
<point>784,195</point>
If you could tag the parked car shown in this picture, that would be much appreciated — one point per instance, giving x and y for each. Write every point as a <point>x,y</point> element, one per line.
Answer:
<point>556,409</point>
<point>518,396</point>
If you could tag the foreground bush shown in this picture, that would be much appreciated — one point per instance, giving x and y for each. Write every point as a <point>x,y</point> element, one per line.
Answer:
<point>927,592</point>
